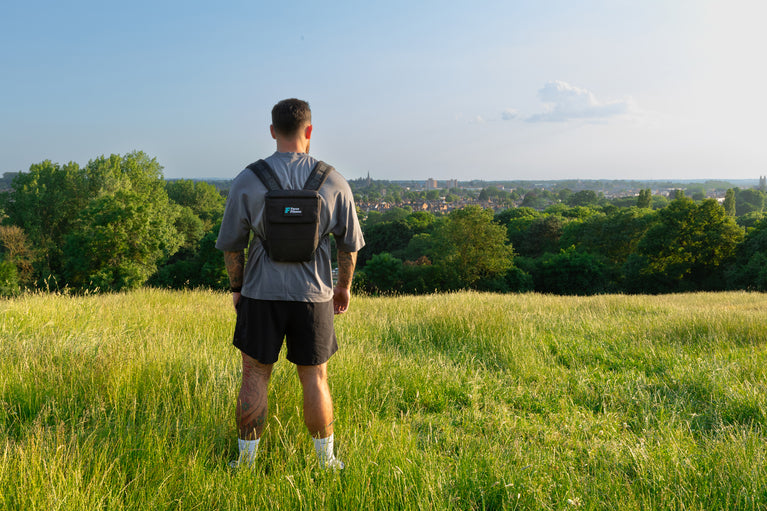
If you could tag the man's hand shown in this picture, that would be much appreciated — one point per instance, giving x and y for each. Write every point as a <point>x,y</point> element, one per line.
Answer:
<point>341,297</point>
<point>236,300</point>
<point>341,293</point>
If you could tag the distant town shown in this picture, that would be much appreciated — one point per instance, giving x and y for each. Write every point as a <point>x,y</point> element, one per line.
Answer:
<point>443,196</point>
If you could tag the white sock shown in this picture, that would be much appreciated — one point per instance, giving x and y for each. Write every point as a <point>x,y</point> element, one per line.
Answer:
<point>248,449</point>
<point>324,448</point>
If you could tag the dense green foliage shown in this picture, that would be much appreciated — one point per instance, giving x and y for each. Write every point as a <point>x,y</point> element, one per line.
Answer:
<point>684,245</point>
<point>451,401</point>
<point>117,224</point>
<point>104,226</point>
<point>111,225</point>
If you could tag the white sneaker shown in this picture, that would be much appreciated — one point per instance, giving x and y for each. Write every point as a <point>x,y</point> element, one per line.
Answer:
<point>240,462</point>
<point>335,464</point>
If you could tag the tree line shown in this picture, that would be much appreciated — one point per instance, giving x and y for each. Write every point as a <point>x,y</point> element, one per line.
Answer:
<point>112,225</point>
<point>588,245</point>
<point>117,224</point>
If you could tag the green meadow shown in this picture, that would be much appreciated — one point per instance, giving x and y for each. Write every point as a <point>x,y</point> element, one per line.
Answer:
<point>448,401</point>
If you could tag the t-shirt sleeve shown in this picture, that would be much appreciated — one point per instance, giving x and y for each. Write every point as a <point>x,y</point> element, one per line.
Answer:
<point>347,231</point>
<point>235,225</point>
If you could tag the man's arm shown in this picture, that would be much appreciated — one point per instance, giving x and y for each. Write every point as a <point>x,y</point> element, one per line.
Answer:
<point>235,268</point>
<point>342,292</point>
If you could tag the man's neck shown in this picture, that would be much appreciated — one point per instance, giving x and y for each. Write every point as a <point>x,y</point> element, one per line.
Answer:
<point>292,146</point>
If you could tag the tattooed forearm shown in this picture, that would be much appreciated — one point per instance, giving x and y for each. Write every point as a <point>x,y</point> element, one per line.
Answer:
<point>235,264</point>
<point>346,263</point>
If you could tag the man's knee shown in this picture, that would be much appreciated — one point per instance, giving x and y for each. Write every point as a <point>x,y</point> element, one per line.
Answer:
<point>253,369</point>
<point>313,375</point>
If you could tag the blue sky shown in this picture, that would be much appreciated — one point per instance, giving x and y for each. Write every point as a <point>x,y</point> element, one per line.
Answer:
<point>594,89</point>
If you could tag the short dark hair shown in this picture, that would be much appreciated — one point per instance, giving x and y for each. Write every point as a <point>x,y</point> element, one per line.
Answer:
<point>289,115</point>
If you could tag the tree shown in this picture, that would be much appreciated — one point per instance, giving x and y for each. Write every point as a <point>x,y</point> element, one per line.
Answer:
<point>542,236</point>
<point>385,237</point>
<point>395,214</point>
<point>420,245</point>
<point>571,272</point>
<point>44,203</point>
<point>729,202</point>
<point>660,202</point>
<point>16,250</point>
<point>689,246</point>
<point>203,267</point>
<point>750,220</point>
<point>564,194</point>
<point>420,221</point>
<point>201,198</point>
<point>536,200</point>
<point>583,198</point>
<point>614,236</point>
<point>748,201</point>
<point>127,228</point>
<point>575,212</point>
<point>119,241</point>
<point>190,227</point>
<point>9,279</point>
<point>696,191</point>
<point>472,245</point>
<point>750,268</point>
<point>517,222</point>
<point>384,273</point>
<point>645,198</point>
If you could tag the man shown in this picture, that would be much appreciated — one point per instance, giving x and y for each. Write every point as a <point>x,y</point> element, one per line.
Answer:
<point>290,301</point>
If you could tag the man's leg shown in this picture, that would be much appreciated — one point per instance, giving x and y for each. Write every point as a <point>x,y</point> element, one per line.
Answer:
<point>318,412</point>
<point>252,400</point>
<point>252,405</point>
<point>318,405</point>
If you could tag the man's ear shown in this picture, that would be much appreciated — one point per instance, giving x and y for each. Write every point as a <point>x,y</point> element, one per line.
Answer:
<point>271,130</point>
<point>308,132</point>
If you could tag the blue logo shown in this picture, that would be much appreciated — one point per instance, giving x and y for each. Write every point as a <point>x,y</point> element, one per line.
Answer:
<point>292,211</point>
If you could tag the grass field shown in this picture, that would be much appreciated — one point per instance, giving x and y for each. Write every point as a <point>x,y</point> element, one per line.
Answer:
<point>453,401</point>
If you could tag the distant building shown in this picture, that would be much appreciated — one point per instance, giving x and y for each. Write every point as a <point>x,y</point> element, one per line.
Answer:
<point>431,184</point>
<point>452,183</point>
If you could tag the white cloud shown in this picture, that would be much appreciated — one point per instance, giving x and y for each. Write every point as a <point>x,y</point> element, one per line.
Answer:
<point>509,114</point>
<point>565,102</point>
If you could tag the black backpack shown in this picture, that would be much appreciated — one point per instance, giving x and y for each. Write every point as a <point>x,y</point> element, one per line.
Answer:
<point>291,217</point>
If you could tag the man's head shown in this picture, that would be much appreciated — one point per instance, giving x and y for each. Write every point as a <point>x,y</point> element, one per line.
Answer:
<point>290,117</point>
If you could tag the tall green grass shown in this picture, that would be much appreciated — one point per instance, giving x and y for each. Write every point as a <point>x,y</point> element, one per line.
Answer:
<point>451,401</point>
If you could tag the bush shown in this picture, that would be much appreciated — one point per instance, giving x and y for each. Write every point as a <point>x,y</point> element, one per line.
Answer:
<point>519,281</point>
<point>384,273</point>
<point>571,273</point>
<point>9,279</point>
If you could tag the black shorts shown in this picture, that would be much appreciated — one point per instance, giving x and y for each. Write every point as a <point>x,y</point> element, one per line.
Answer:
<point>307,328</point>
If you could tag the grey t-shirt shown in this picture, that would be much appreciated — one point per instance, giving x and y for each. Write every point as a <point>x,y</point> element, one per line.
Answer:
<point>265,279</point>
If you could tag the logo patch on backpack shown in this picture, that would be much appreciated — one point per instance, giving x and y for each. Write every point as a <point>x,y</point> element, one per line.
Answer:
<point>292,211</point>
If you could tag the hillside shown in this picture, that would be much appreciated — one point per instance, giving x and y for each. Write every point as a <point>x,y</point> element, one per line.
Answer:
<point>450,401</point>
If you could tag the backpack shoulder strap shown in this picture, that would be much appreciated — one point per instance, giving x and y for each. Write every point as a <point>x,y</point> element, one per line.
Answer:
<point>318,176</point>
<point>265,173</point>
